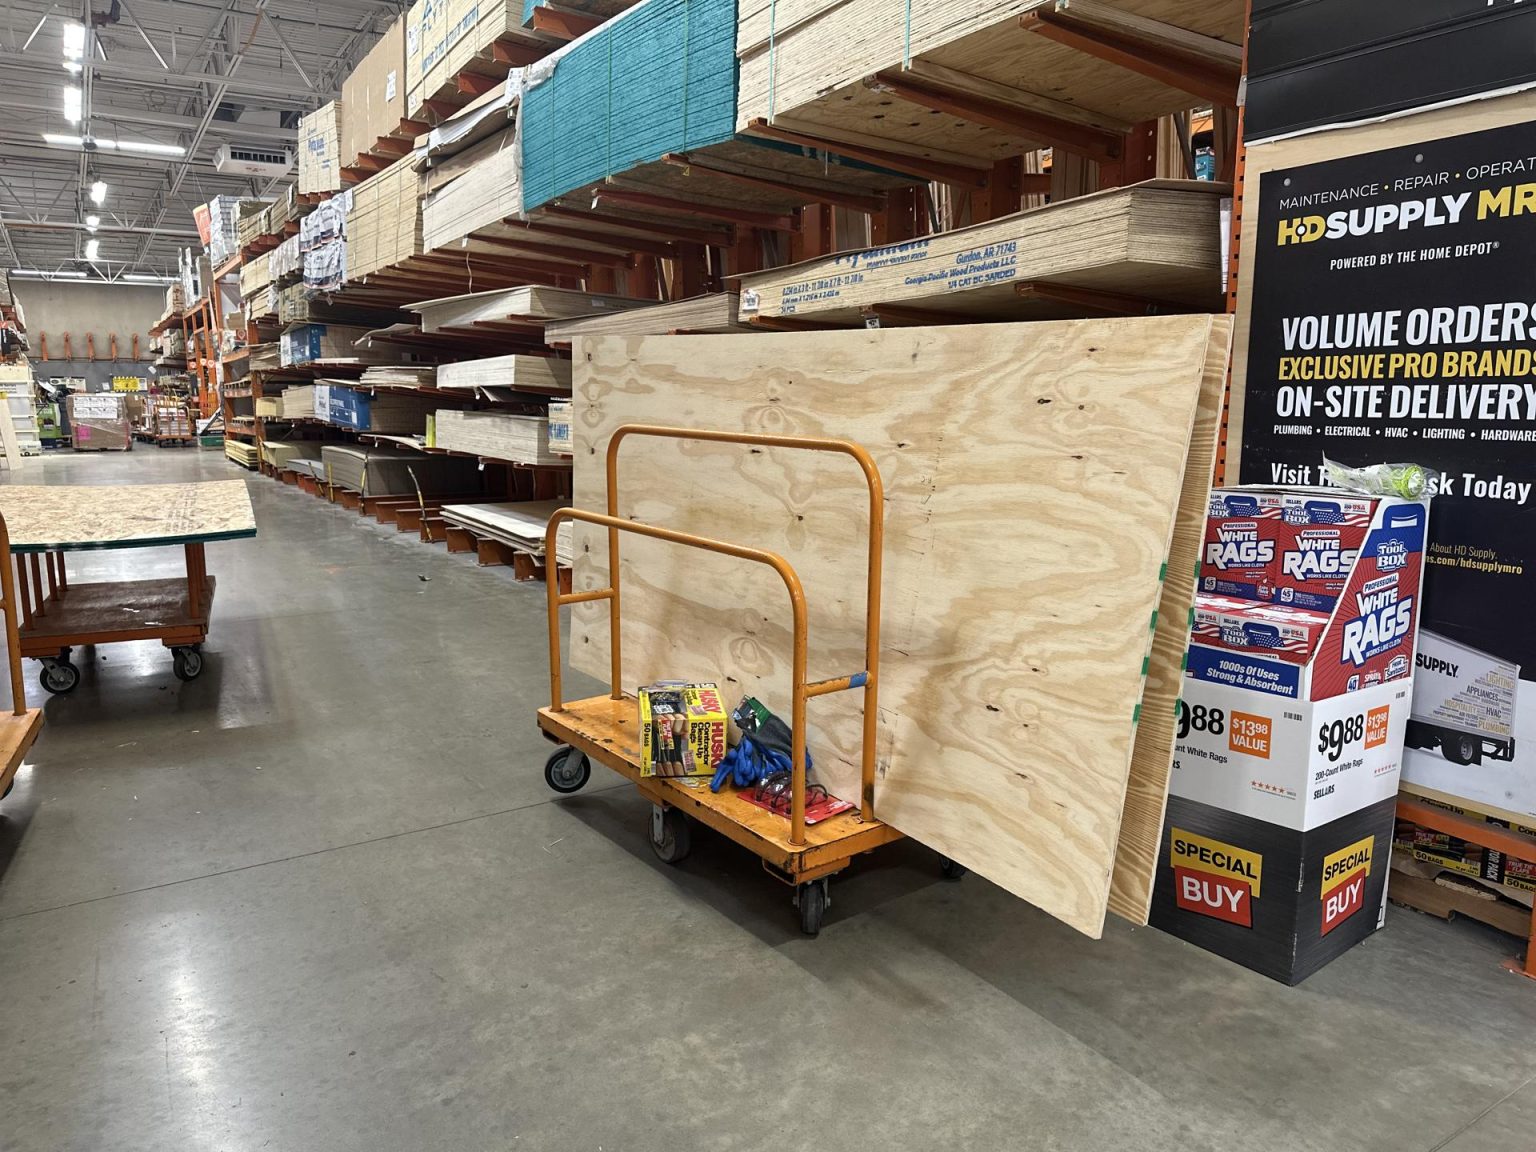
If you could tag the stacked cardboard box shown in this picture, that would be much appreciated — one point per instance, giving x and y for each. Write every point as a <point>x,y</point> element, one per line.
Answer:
<point>320,149</point>
<point>374,95</point>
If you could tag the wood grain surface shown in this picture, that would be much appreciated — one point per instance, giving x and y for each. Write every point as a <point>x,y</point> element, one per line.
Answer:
<point>1033,473</point>
<point>1146,796</point>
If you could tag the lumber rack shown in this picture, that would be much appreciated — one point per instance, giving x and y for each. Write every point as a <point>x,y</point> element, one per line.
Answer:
<point>606,728</point>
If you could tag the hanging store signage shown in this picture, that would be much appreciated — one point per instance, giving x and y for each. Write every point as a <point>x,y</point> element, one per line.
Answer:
<point>1394,319</point>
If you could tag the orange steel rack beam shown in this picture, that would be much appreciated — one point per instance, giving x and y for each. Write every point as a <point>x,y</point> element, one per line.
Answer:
<point>606,729</point>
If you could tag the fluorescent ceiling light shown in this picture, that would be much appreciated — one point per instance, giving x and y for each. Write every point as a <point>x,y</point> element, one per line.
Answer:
<point>38,274</point>
<point>72,98</point>
<point>93,250</point>
<point>142,146</point>
<point>145,278</point>
<point>93,222</point>
<point>73,67</point>
<point>74,40</point>
<point>99,192</point>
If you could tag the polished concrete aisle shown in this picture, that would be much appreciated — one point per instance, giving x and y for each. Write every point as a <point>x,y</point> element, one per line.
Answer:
<point>321,899</point>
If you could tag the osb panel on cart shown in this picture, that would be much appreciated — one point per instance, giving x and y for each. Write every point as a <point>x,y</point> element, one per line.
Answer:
<point>1146,797</point>
<point>44,517</point>
<point>812,68</point>
<point>1032,473</point>
<point>1159,241</point>
<point>1317,148</point>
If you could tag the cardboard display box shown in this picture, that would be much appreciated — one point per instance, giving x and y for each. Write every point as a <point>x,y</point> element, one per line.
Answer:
<point>100,422</point>
<point>1281,806</point>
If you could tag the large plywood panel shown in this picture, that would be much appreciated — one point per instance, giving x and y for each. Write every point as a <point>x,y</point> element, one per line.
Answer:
<point>1146,797</point>
<point>1033,476</point>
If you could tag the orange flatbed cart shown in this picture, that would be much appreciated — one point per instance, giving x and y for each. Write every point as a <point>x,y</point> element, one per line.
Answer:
<point>19,726</point>
<point>49,521</point>
<point>606,729</point>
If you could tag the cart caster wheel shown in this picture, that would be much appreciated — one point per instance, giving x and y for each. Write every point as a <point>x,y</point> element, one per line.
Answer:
<point>812,899</point>
<point>187,663</point>
<point>671,838</point>
<point>59,677</point>
<point>950,870</point>
<point>567,770</point>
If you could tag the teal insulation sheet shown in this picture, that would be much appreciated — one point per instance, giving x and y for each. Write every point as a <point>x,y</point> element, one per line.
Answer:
<point>659,78</point>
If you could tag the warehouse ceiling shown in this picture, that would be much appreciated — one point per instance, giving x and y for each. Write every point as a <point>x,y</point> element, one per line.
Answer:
<point>143,106</point>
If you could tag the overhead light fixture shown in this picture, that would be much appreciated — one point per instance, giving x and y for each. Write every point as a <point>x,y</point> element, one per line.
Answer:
<point>39,274</point>
<point>93,250</point>
<point>99,193</point>
<point>93,222</point>
<point>72,99</point>
<point>73,67</point>
<point>146,278</point>
<point>91,144</point>
<point>74,40</point>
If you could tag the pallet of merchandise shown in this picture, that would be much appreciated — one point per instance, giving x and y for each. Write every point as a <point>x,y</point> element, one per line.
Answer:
<point>500,436</point>
<point>243,454</point>
<point>529,304</point>
<point>384,226</point>
<point>713,313</point>
<point>1151,246</point>
<point>545,374</point>
<point>320,149</point>
<point>1104,429</point>
<point>834,69</point>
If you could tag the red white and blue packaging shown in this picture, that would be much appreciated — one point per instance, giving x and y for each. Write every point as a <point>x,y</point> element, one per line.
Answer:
<point>1318,544</point>
<point>1243,531</point>
<point>1236,625</point>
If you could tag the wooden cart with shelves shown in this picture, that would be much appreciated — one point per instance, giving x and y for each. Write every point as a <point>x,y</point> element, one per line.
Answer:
<point>605,729</point>
<point>49,522</point>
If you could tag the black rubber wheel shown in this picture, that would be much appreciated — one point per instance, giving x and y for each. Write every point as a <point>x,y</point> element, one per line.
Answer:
<point>813,906</point>
<point>1462,749</point>
<point>59,677</point>
<point>567,770</point>
<point>950,870</point>
<point>187,663</point>
<point>676,839</point>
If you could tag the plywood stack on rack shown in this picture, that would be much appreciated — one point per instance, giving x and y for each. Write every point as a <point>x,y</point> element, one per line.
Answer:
<point>528,306</point>
<point>1148,247</point>
<point>966,84</point>
<point>320,149</point>
<point>700,315</point>
<point>539,374</point>
<point>520,525</point>
<point>384,226</point>
<point>1004,741</point>
<point>496,435</point>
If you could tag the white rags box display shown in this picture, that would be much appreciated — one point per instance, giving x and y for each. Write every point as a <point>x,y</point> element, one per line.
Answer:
<point>1282,799</point>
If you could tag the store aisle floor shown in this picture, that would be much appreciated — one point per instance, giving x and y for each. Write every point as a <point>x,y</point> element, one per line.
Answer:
<point>321,899</point>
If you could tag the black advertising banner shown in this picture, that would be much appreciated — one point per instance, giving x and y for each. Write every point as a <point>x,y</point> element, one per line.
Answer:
<point>1394,319</point>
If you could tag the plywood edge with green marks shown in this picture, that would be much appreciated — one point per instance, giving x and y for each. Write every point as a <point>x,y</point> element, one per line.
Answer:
<point>1033,473</point>
<point>1146,797</point>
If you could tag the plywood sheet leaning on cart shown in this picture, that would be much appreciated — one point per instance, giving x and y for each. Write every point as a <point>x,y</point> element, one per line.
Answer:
<point>1146,797</point>
<point>1033,473</point>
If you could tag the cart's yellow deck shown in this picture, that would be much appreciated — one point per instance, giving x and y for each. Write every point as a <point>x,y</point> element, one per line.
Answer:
<point>608,732</point>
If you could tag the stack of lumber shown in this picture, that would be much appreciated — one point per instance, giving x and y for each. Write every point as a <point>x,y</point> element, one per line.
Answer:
<point>269,407</point>
<point>475,189</point>
<point>531,305</point>
<point>519,525</point>
<point>1158,243</point>
<point>546,374</point>
<point>241,453</point>
<point>279,453</point>
<point>1026,711</point>
<point>389,471</point>
<point>500,436</point>
<point>400,376</point>
<point>266,357</point>
<point>299,401</point>
<point>374,96</point>
<point>384,226</point>
<point>306,467</point>
<point>716,312</point>
<point>383,413</point>
<point>444,38</point>
<point>659,78</point>
<point>320,149</point>
<point>254,276</point>
<point>837,69</point>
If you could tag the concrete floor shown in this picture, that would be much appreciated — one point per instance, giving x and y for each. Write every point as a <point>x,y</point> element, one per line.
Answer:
<point>321,899</point>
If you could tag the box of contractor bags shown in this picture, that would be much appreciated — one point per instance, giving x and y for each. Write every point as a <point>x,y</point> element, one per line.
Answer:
<point>1290,733</point>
